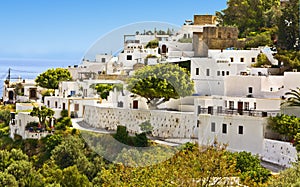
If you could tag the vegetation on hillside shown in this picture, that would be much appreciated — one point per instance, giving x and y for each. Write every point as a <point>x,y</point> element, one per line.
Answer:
<point>267,23</point>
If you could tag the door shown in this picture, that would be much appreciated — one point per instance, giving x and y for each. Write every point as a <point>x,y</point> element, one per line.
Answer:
<point>135,104</point>
<point>164,49</point>
<point>32,93</point>
<point>11,95</point>
<point>210,110</point>
<point>240,108</point>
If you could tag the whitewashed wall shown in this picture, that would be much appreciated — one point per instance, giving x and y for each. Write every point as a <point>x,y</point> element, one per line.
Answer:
<point>251,140</point>
<point>21,121</point>
<point>292,111</point>
<point>35,135</point>
<point>166,124</point>
<point>278,152</point>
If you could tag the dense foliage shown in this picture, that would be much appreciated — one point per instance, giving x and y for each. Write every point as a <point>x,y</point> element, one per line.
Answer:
<point>262,61</point>
<point>161,82</point>
<point>152,44</point>
<point>288,26</point>
<point>68,159</point>
<point>104,89</point>
<point>288,177</point>
<point>43,113</point>
<point>289,58</point>
<point>250,15</point>
<point>51,78</point>
<point>288,127</point>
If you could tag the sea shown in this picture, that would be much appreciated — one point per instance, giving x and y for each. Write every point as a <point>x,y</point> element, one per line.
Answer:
<point>28,68</point>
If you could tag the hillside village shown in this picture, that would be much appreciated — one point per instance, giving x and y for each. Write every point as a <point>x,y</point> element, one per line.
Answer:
<point>231,103</point>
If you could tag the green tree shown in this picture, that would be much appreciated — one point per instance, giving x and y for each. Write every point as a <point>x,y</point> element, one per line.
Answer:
<point>5,117</point>
<point>67,153</point>
<point>290,58</point>
<point>261,39</point>
<point>286,125</point>
<point>152,44</point>
<point>190,167</point>
<point>288,26</point>
<point>51,78</point>
<point>161,82</point>
<point>262,60</point>
<point>72,177</point>
<point>104,89</point>
<point>249,15</point>
<point>42,113</point>
<point>146,127</point>
<point>250,168</point>
<point>7,179</point>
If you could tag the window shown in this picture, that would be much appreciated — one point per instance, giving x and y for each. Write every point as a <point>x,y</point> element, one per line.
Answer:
<point>48,103</point>
<point>224,128</point>
<point>227,72</point>
<point>219,34</point>
<point>231,105</point>
<point>213,127</point>
<point>241,130</point>
<point>223,73</point>
<point>229,35</point>
<point>246,105</point>
<point>231,59</point>
<point>102,59</point>
<point>225,104</point>
<point>218,73</point>
<point>129,57</point>
<point>242,59</point>
<point>219,109</point>
<point>199,109</point>
<point>207,72</point>
<point>198,123</point>
<point>73,92</point>
<point>197,71</point>
<point>250,90</point>
<point>55,104</point>
<point>254,106</point>
<point>76,107</point>
<point>253,59</point>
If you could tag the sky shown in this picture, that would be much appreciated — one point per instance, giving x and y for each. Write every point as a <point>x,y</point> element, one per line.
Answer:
<point>65,29</point>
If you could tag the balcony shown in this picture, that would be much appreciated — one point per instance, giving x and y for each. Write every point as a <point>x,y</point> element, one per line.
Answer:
<point>232,112</point>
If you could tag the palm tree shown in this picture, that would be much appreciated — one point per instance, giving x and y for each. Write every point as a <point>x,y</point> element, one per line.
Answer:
<point>294,99</point>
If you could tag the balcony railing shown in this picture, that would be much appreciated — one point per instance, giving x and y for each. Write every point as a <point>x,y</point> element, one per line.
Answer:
<point>223,112</point>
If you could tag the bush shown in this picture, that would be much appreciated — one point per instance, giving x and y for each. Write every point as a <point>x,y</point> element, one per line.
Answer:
<point>63,123</point>
<point>262,61</point>
<point>152,44</point>
<point>139,140</point>
<point>250,168</point>
<point>64,113</point>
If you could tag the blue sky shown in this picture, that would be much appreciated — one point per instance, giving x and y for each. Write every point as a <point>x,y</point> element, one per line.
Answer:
<point>65,29</point>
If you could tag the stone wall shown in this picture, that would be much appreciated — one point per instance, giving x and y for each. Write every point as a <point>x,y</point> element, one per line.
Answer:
<point>278,152</point>
<point>204,19</point>
<point>166,124</point>
<point>221,37</point>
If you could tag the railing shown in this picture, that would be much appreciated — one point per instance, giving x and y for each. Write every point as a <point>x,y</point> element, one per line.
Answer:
<point>254,113</point>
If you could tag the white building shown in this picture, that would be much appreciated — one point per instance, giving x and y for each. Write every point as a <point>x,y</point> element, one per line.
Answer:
<point>21,91</point>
